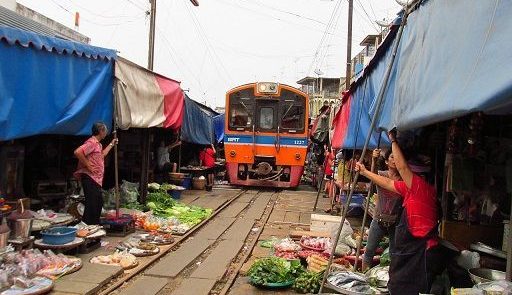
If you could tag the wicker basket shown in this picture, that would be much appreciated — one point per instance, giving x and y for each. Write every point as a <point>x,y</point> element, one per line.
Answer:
<point>198,184</point>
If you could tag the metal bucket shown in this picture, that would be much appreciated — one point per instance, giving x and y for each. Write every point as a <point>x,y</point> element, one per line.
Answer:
<point>3,240</point>
<point>22,228</point>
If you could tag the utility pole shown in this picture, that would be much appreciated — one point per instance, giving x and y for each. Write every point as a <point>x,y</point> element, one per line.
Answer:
<point>348,73</point>
<point>144,171</point>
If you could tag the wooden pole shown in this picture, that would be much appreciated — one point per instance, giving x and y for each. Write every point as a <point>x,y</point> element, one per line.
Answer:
<point>145,132</point>
<point>348,72</point>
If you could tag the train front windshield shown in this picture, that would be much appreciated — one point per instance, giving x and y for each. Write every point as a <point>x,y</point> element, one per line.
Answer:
<point>266,114</point>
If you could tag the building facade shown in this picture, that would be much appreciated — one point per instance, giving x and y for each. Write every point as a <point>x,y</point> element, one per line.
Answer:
<point>16,15</point>
<point>322,91</point>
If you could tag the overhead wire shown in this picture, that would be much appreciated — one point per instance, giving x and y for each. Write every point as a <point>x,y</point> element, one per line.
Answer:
<point>237,5</point>
<point>285,12</point>
<point>215,58</point>
<point>89,11</point>
<point>96,23</point>
<point>372,22</point>
<point>325,34</point>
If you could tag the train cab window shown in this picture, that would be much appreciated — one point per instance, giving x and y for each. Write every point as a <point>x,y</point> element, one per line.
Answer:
<point>292,117</point>
<point>240,115</point>
<point>266,118</point>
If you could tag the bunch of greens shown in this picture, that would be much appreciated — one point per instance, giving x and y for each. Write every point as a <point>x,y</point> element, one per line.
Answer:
<point>160,202</point>
<point>308,282</point>
<point>274,270</point>
<point>163,205</point>
<point>135,205</point>
<point>385,259</point>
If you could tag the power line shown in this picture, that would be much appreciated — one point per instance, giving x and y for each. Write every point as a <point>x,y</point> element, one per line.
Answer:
<point>209,47</point>
<point>371,7</point>
<point>324,36</point>
<point>368,16</point>
<point>287,12</point>
<point>145,9</point>
<point>96,23</point>
<point>237,5</point>
<point>101,15</point>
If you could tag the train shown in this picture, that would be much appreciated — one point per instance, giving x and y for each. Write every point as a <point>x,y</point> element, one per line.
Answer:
<point>266,135</point>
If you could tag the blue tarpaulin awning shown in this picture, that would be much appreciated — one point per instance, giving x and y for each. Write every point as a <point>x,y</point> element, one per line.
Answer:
<point>198,125</point>
<point>218,126</point>
<point>452,60</point>
<point>52,86</point>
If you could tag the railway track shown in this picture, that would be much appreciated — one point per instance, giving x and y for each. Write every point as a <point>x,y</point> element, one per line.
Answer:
<point>209,256</point>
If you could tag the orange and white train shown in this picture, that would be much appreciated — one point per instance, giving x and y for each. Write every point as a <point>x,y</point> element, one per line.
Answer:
<point>266,134</point>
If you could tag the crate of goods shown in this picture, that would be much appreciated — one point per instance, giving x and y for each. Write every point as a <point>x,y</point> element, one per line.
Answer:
<point>325,223</point>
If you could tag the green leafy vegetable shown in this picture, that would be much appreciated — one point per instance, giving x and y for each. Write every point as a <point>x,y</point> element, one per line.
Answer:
<point>308,282</point>
<point>274,270</point>
<point>385,259</point>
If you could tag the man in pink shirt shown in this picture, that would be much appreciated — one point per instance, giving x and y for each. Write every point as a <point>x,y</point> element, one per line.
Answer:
<point>90,171</point>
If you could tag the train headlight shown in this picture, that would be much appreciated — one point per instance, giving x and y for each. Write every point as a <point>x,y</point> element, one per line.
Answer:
<point>297,156</point>
<point>232,153</point>
<point>267,88</point>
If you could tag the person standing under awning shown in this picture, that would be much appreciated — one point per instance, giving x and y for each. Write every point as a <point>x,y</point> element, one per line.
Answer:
<point>90,171</point>
<point>412,261</point>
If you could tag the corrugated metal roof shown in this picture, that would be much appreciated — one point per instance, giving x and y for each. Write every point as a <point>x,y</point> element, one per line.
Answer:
<point>19,37</point>
<point>10,18</point>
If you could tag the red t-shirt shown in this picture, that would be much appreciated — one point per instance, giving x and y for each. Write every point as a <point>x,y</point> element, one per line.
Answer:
<point>207,157</point>
<point>420,202</point>
<point>328,164</point>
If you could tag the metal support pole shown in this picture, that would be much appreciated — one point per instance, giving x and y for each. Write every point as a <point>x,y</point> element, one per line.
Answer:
<point>370,193</point>
<point>380,98</point>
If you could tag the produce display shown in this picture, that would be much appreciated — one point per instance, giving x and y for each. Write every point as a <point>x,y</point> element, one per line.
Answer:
<point>163,206</point>
<point>18,267</point>
<point>25,286</point>
<point>138,248</point>
<point>308,282</point>
<point>157,238</point>
<point>378,276</point>
<point>351,281</point>
<point>119,258</point>
<point>84,230</point>
<point>318,244</point>
<point>304,254</point>
<point>317,263</point>
<point>286,255</point>
<point>274,270</point>
<point>286,245</point>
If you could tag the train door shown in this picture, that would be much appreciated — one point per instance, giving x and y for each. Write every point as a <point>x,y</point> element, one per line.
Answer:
<point>266,122</point>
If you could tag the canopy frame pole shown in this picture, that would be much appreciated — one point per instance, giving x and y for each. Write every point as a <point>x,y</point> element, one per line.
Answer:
<point>367,205</point>
<point>116,155</point>
<point>380,99</point>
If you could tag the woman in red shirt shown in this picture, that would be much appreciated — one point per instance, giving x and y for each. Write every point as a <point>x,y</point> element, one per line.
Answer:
<point>416,233</point>
<point>207,159</point>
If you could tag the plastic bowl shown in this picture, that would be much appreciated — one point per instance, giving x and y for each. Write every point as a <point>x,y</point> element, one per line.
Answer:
<point>58,235</point>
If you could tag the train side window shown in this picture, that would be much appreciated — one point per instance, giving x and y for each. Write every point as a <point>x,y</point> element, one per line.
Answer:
<point>267,118</point>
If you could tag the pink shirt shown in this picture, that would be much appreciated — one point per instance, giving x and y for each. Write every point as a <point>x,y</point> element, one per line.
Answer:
<point>93,151</point>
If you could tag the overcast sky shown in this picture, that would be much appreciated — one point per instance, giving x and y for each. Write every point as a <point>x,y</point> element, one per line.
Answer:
<point>225,43</point>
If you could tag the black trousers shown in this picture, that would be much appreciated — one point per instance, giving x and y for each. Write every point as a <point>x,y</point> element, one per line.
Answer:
<point>93,200</point>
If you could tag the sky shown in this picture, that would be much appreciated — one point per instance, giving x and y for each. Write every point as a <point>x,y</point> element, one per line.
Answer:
<point>225,43</point>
